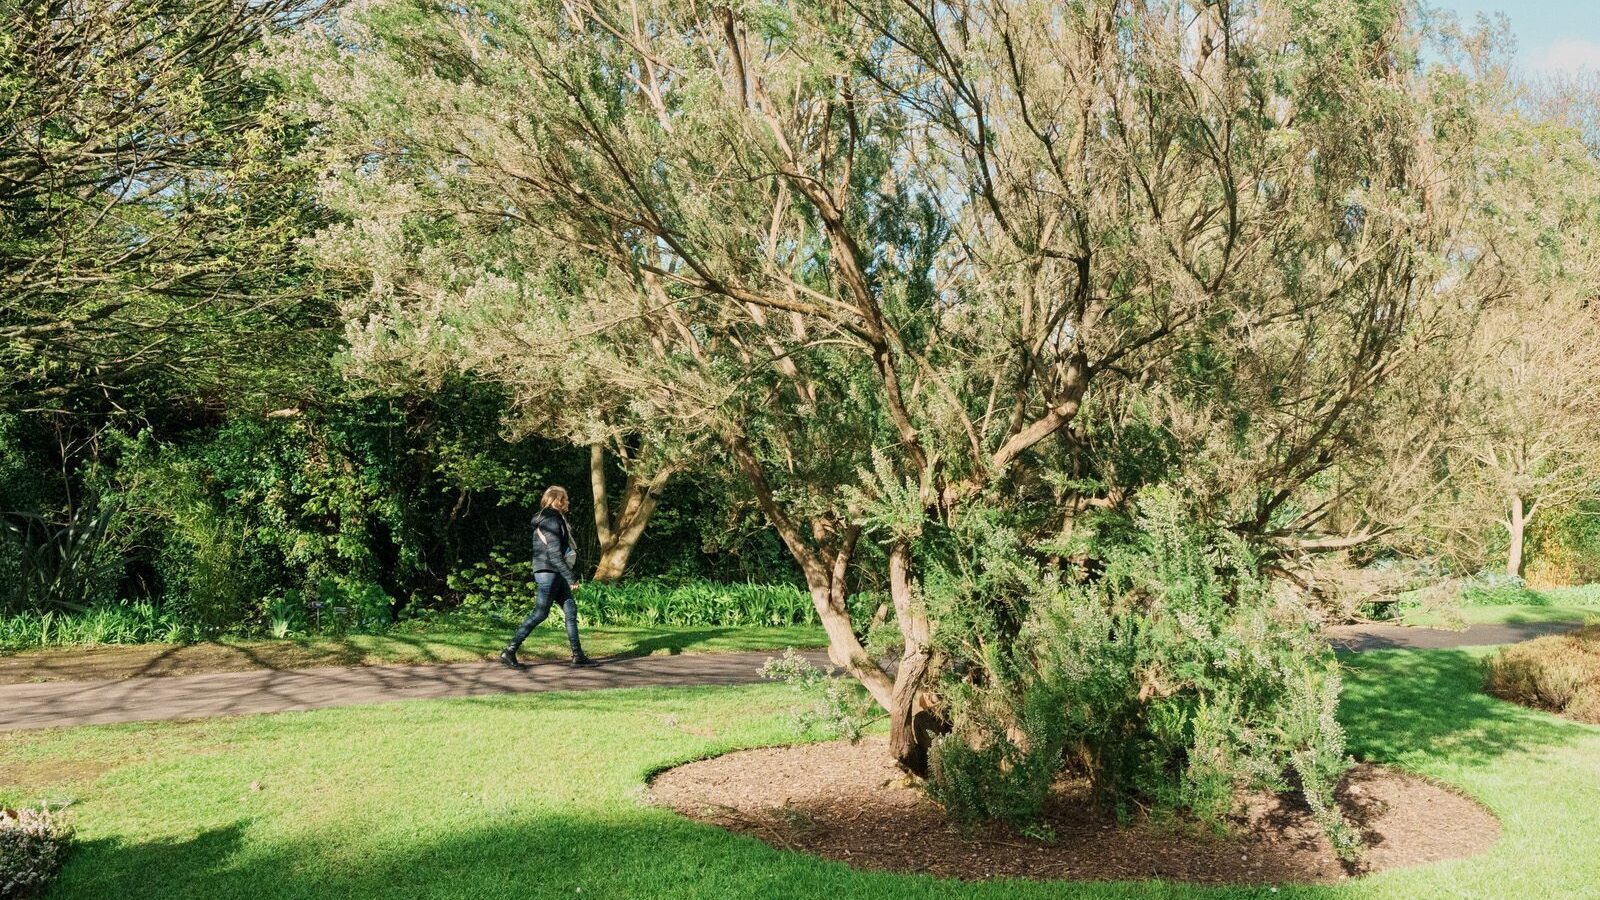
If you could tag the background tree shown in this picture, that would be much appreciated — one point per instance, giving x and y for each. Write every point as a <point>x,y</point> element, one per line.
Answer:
<point>1536,445</point>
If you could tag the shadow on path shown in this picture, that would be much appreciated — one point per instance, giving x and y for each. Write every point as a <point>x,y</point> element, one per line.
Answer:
<point>53,704</point>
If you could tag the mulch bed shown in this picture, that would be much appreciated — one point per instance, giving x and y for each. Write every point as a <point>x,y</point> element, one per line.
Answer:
<point>849,803</point>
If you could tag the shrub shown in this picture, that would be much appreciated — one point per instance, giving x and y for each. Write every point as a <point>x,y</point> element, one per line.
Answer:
<point>61,566</point>
<point>1559,673</point>
<point>1173,680</point>
<point>32,845</point>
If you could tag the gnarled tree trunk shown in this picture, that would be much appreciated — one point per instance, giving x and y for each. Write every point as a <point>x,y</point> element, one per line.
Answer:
<point>913,723</point>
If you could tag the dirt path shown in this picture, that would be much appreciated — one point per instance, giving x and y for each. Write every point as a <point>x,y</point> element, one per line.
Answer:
<point>62,703</point>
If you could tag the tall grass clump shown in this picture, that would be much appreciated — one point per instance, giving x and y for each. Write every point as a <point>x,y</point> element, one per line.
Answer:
<point>125,623</point>
<point>696,604</point>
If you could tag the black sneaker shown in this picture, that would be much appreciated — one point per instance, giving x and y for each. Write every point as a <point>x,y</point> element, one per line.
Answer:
<point>508,658</point>
<point>584,662</point>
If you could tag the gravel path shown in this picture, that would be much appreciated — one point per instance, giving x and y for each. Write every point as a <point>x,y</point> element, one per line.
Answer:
<point>62,703</point>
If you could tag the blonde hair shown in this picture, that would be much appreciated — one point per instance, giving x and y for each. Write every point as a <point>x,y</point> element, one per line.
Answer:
<point>556,496</point>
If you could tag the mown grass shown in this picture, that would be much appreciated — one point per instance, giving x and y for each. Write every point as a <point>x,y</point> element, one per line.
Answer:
<point>1510,614</point>
<point>540,796</point>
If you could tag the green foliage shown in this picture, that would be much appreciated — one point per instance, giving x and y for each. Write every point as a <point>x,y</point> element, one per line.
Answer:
<point>652,602</point>
<point>1564,548</point>
<point>334,514</point>
<point>150,209</point>
<point>1497,589</point>
<point>61,567</point>
<point>1173,680</point>
<point>131,623</point>
<point>829,705</point>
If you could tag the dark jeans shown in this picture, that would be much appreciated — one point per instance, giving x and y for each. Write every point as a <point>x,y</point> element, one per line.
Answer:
<point>552,589</point>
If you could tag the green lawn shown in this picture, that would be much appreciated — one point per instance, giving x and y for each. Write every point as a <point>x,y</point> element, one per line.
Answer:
<point>1516,614</point>
<point>539,796</point>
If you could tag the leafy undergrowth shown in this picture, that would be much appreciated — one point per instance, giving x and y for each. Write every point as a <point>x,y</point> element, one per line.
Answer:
<point>497,599</point>
<point>541,796</point>
<point>1560,673</point>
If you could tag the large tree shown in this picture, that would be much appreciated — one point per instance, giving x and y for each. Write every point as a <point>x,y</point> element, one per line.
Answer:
<point>906,259</point>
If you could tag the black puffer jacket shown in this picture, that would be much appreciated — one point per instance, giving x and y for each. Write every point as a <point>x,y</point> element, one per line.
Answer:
<point>551,541</point>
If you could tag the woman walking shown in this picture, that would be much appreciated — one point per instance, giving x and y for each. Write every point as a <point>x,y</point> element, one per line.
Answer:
<point>553,556</point>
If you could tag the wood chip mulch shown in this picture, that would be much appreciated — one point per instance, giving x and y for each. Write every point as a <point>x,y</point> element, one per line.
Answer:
<point>848,803</point>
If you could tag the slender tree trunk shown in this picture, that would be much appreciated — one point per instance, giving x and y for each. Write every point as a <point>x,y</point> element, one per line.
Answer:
<point>1517,525</point>
<point>620,535</point>
<point>597,488</point>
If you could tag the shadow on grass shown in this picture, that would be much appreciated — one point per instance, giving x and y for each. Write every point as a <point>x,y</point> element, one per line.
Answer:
<point>641,856</point>
<point>143,660</point>
<point>1430,704</point>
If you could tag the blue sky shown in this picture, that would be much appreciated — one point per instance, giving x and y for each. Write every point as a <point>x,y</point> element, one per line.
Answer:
<point>1552,35</point>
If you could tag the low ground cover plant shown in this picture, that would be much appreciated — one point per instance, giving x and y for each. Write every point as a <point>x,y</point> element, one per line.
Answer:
<point>33,844</point>
<point>1560,673</point>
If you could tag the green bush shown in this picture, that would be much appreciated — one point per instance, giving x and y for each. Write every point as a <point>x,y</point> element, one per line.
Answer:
<point>1173,680</point>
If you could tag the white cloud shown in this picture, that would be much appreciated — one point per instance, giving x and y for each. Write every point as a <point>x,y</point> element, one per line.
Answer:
<point>1567,55</point>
